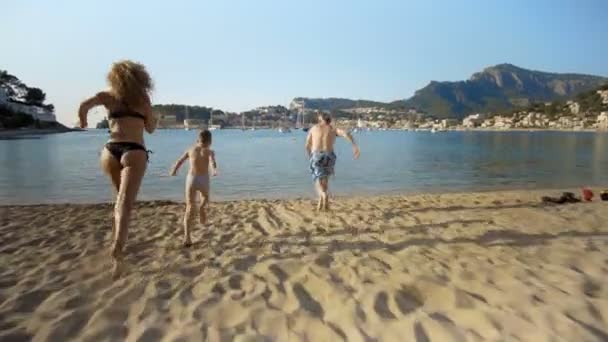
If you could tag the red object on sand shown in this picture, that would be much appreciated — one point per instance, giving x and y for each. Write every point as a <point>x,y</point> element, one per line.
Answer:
<point>587,194</point>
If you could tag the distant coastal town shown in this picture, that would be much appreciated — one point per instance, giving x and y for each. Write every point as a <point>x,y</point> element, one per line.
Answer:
<point>501,97</point>
<point>589,112</point>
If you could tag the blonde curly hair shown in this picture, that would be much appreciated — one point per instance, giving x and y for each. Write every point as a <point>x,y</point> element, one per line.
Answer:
<point>130,82</point>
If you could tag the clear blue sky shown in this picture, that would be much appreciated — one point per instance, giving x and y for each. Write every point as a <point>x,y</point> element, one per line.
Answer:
<point>235,55</point>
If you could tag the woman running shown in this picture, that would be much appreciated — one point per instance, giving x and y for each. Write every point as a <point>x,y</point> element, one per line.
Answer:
<point>124,157</point>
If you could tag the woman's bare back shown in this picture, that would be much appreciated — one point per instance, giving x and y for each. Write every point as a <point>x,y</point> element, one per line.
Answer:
<point>125,128</point>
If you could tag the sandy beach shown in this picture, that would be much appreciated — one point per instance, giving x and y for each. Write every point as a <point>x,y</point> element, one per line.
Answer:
<point>491,266</point>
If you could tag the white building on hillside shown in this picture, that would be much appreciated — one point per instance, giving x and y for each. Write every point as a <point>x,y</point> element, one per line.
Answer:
<point>602,121</point>
<point>604,95</point>
<point>472,121</point>
<point>37,112</point>
<point>574,107</point>
<point>447,123</point>
<point>297,105</point>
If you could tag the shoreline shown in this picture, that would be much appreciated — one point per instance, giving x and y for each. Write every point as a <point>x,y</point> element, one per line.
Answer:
<point>6,134</point>
<point>541,191</point>
<point>482,266</point>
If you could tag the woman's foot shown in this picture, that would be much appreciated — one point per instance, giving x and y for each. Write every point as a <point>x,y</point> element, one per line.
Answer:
<point>117,268</point>
<point>116,253</point>
<point>187,243</point>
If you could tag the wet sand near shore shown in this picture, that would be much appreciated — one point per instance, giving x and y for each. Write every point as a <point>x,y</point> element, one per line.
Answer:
<point>489,266</point>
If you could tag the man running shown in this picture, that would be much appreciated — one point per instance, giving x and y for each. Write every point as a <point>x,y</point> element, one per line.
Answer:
<point>320,150</point>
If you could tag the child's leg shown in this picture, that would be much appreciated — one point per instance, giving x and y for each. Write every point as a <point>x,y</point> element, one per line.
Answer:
<point>203,206</point>
<point>189,214</point>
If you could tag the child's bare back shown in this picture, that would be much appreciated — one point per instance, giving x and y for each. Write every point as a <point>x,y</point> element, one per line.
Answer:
<point>200,157</point>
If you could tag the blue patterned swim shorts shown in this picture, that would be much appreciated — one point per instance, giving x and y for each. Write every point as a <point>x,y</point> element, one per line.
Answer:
<point>322,164</point>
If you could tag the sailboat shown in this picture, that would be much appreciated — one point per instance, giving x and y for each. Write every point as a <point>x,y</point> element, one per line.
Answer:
<point>211,126</point>
<point>298,120</point>
<point>283,128</point>
<point>359,127</point>
<point>187,119</point>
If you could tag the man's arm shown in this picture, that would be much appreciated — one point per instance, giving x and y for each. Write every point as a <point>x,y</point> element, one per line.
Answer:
<point>213,162</point>
<point>179,163</point>
<point>346,135</point>
<point>308,145</point>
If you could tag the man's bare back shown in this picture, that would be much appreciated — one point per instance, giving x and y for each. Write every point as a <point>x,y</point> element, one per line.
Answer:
<point>322,138</point>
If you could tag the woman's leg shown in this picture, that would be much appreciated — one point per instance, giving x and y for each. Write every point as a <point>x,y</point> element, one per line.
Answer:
<point>133,168</point>
<point>111,167</point>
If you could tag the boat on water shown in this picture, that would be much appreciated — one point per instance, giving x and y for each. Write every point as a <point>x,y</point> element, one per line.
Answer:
<point>210,125</point>
<point>187,120</point>
<point>284,130</point>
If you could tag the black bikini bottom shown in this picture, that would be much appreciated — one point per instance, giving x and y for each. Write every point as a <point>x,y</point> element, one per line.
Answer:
<point>117,149</point>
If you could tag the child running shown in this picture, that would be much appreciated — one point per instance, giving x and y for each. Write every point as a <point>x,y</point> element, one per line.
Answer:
<point>197,181</point>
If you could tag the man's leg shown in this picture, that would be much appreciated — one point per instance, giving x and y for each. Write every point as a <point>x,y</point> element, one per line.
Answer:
<point>324,185</point>
<point>319,194</point>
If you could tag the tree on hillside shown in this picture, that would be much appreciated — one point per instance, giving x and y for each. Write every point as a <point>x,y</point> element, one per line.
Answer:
<point>35,96</point>
<point>6,77</point>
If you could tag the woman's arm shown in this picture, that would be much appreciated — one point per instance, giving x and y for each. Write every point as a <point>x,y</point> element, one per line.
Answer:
<point>87,105</point>
<point>150,120</point>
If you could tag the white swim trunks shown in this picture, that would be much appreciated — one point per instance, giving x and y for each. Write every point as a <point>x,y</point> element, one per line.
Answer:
<point>198,182</point>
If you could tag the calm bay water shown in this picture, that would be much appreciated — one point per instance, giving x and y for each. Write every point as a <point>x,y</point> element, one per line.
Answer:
<point>267,164</point>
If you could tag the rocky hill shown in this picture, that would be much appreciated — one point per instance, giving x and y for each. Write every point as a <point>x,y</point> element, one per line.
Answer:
<point>495,89</point>
<point>333,103</point>
<point>498,88</point>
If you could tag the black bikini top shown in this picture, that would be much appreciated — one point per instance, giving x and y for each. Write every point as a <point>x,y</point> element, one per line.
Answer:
<point>125,113</point>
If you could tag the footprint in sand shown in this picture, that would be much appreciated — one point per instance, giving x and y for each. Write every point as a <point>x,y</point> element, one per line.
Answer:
<point>591,288</point>
<point>234,282</point>
<point>307,302</point>
<point>324,260</point>
<point>408,300</point>
<point>420,333</point>
<point>381,306</point>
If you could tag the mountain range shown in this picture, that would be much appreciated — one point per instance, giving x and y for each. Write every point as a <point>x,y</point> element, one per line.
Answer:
<point>495,89</point>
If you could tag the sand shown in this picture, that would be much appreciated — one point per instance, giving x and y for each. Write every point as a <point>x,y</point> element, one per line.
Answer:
<point>493,266</point>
